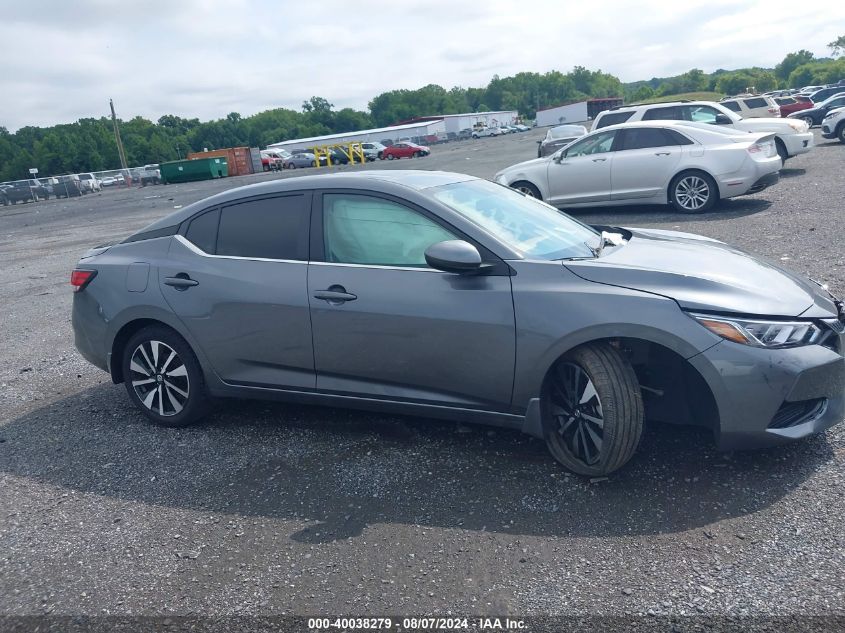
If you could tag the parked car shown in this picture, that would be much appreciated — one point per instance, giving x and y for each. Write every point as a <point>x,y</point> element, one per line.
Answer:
<point>791,137</point>
<point>833,125</point>
<point>486,131</point>
<point>465,134</point>
<point>108,181</point>
<point>338,156</point>
<point>521,128</point>
<point>557,137</point>
<point>273,160</point>
<point>150,175</point>
<point>752,106</point>
<point>406,150</point>
<point>813,116</point>
<point>788,105</point>
<point>526,318</point>
<point>299,159</point>
<point>688,165</point>
<point>25,191</point>
<point>69,186</point>
<point>89,182</point>
<point>373,150</point>
<point>826,93</point>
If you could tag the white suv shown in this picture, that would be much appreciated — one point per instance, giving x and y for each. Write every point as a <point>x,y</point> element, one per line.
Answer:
<point>833,125</point>
<point>792,136</point>
<point>752,106</point>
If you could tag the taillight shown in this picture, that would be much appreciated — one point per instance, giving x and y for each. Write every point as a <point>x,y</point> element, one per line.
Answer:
<point>81,278</point>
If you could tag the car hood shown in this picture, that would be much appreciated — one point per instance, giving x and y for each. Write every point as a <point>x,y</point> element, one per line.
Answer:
<point>704,274</point>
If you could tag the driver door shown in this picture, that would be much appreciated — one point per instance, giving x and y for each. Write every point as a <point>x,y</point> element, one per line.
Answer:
<point>583,172</point>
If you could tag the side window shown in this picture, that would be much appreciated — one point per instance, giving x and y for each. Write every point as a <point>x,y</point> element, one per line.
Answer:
<point>642,138</point>
<point>612,118</point>
<point>364,230</point>
<point>837,103</point>
<point>202,231</point>
<point>699,113</point>
<point>671,113</point>
<point>757,102</point>
<point>732,105</point>
<point>272,228</point>
<point>595,144</point>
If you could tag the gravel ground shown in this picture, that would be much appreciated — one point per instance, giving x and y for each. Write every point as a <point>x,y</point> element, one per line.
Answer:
<point>271,509</point>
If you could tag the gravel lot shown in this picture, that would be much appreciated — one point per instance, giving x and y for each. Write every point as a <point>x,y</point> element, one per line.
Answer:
<point>274,509</point>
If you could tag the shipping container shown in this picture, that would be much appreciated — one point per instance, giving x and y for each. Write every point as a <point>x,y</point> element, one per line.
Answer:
<point>196,169</point>
<point>238,159</point>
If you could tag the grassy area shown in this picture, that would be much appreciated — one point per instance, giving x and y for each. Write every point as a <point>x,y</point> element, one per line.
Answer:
<point>689,96</point>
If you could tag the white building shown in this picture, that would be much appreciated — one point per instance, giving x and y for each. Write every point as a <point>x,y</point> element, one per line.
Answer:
<point>568,113</point>
<point>393,134</point>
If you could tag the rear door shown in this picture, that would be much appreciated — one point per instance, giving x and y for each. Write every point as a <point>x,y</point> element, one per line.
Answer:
<point>645,161</point>
<point>385,325</point>
<point>583,173</point>
<point>236,276</point>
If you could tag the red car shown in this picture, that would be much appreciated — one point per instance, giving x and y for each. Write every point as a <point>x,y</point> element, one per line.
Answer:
<point>788,105</point>
<point>406,150</point>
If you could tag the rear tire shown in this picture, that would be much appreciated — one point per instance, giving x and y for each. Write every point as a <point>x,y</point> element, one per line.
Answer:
<point>808,120</point>
<point>592,410</point>
<point>163,377</point>
<point>693,192</point>
<point>781,152</point>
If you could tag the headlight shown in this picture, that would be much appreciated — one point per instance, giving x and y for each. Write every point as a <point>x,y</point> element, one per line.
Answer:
<point>832,116</point>
<point>798,126</point>
<point>758,333</point>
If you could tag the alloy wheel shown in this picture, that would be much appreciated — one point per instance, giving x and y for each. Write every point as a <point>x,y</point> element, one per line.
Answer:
<point>159,378</point>
<point>577,411</point>
<point>692,193</point>
<point>528,191</point>
<point>809,121</point>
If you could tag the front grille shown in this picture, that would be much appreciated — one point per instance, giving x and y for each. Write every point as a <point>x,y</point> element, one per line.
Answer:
<point>795,413</point>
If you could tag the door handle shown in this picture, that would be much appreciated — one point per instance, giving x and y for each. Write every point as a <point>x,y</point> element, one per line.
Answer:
<point>181,281</point>
<point>599,160</point>
<point>335,295</point>
<point>662,153</point>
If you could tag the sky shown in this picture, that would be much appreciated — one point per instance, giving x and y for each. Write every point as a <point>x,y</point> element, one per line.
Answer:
<point>62,60</point>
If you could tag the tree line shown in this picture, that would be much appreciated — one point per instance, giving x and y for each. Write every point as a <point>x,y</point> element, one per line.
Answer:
<point>88,144</point>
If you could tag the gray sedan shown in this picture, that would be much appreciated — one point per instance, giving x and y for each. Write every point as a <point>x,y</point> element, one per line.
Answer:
<point>442,295</point>
<point>304,159</point>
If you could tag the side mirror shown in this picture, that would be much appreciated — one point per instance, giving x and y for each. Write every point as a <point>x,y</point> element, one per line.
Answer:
<point>723,119</point>
<point>453,256</point>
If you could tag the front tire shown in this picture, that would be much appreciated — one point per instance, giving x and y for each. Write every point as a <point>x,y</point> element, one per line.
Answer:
<point>840,133</point>
<point>390,157</point>
<point>163,377</point>
<point>592,410</point>
<point>527,188</point>
<point>693,192</point>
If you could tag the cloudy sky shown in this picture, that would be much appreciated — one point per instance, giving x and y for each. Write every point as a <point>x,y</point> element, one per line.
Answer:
<point>62,59</point>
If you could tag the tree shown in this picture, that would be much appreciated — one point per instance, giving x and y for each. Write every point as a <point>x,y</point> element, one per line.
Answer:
<point>791,62</point>
<point>837,46</point>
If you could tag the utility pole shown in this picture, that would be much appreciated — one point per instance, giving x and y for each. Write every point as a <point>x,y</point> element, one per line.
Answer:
<point>117,136</point>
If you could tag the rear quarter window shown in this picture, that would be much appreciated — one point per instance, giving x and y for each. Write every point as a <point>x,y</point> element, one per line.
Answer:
<point>267,228</point>
<point>202,231</point>
<point>612,118</point>
<point>756,103</point>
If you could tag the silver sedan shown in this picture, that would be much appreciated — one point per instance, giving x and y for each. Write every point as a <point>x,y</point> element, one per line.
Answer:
<point>688,165</point>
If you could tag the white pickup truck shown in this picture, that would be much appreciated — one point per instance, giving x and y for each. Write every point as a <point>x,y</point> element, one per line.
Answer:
<point>150,175</point>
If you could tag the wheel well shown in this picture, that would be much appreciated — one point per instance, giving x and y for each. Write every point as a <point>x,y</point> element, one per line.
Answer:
<point>780,145</point>
<point>123,335</point>
<point>516,184</point>
<point>672,389</point>
<point>684,172</point>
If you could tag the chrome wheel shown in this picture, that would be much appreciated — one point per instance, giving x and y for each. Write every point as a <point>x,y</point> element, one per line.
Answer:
<point>809,121</point>
<point>577,411</point>
<point>692,193</point>
<point>527,190</point>
<point>159,378</point>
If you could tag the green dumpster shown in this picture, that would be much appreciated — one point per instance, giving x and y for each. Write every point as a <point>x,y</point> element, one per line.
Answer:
<point>197,169</point>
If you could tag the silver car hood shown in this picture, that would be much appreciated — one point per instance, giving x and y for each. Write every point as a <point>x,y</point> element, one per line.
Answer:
<point>704,274</point>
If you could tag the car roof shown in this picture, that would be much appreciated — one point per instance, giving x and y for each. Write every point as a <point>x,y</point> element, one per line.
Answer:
<point>377,180</point>
<point>636,106</point>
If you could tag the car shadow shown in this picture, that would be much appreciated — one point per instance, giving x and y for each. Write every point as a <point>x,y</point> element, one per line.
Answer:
<point>342,470</point>
<point>630,215</point>
<point>790,172</point>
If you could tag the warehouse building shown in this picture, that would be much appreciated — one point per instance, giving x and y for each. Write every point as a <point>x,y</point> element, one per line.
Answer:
<point>386,135</point>
<point>456,122</point>
<point>577,112</point>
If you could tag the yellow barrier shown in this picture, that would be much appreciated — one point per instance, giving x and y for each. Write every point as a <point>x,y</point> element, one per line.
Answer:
<point>352,151</point>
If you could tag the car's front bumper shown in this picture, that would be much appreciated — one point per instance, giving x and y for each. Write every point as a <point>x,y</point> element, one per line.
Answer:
<point>767,397</point>
<point>828,130</point>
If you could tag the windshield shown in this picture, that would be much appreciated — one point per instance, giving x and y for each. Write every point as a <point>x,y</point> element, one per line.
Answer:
<point>527,225</point>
